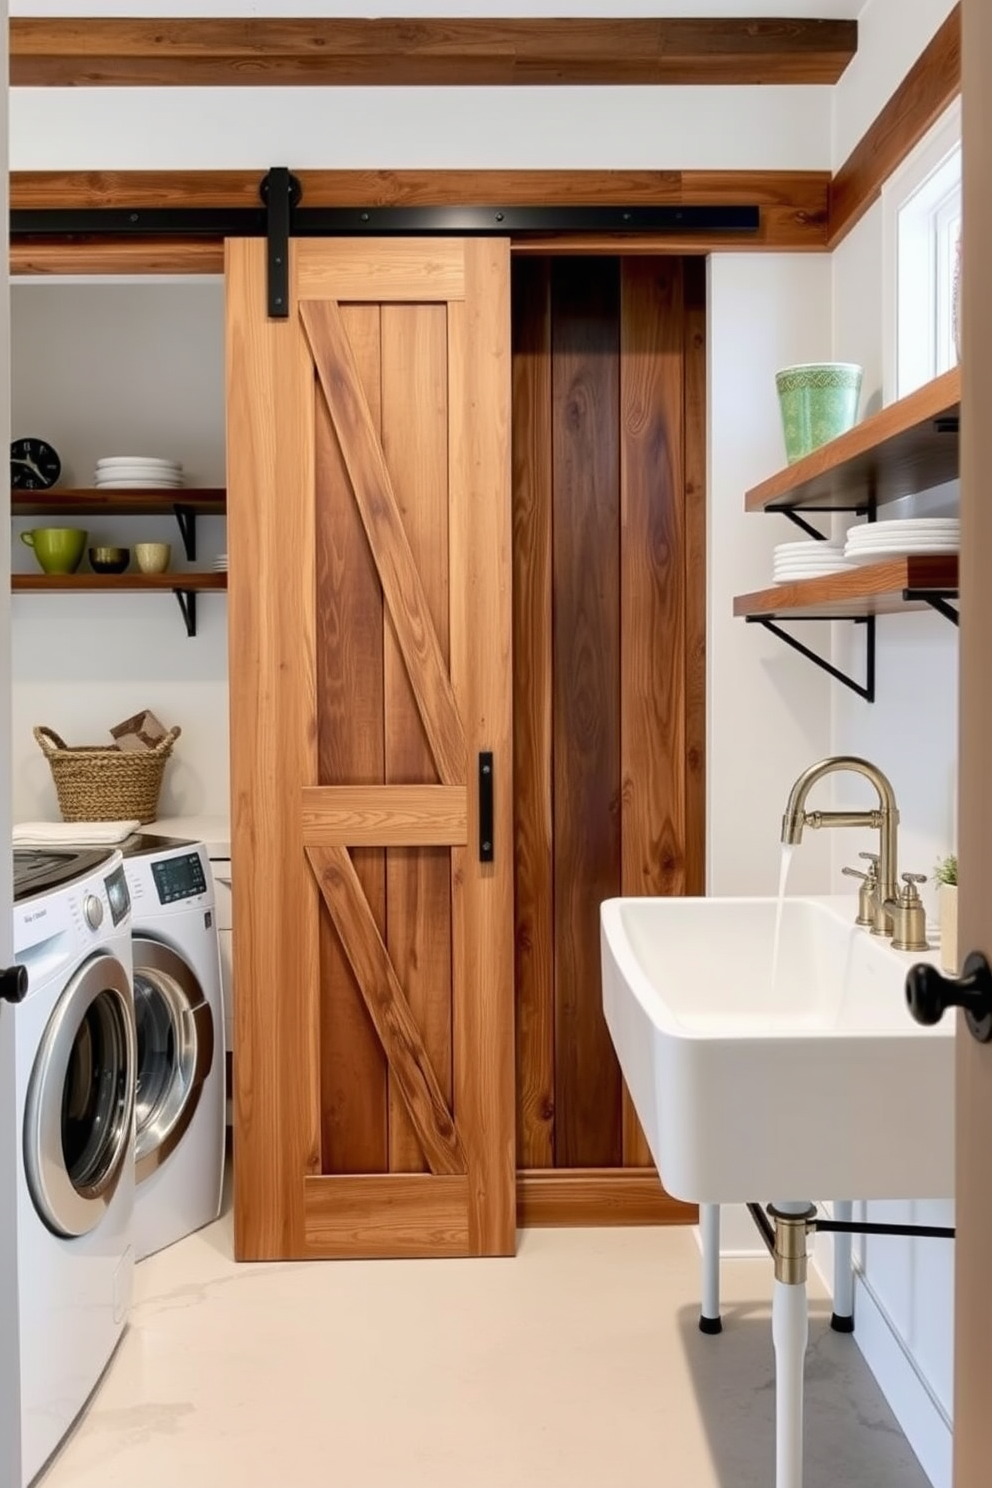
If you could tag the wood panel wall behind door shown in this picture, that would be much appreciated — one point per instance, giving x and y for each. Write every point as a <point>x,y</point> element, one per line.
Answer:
<point>609,584</point>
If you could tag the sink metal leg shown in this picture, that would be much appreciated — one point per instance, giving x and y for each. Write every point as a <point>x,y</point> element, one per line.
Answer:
<point>790,1334</point>
<point>842,1320</point>
<point>709,1231</point>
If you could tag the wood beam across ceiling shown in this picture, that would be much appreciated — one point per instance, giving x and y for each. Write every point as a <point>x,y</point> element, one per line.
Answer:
<point>119,52</point>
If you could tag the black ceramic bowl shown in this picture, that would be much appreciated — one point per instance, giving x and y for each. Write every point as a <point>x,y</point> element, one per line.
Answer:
<point>109,560</point>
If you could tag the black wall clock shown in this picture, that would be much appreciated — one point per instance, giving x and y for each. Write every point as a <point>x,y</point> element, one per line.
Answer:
<point>34,465</point>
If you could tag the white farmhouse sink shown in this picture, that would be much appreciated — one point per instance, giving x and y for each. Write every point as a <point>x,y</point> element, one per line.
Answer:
<point>819,1087</point>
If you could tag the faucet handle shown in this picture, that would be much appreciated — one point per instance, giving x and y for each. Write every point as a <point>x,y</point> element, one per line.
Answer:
<point>872,858</point>
<point>866,893</point>
<point>910,894</point>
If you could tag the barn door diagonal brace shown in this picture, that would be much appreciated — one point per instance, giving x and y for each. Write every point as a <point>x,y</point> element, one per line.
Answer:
<point>280,190</point>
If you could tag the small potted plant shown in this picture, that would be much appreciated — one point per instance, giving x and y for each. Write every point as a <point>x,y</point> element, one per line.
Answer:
<point>946,876</point>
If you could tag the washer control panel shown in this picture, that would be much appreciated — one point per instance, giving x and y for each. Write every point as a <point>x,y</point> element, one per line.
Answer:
<point>179,878</point>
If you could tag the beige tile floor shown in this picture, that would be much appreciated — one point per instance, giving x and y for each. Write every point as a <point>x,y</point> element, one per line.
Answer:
<point>576,1365</point>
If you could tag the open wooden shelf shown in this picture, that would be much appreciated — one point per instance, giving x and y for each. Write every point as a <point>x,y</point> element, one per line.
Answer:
<point>189,582</point>
<point>875,589</point>
<point>208,501</point>
<point>907,447</point>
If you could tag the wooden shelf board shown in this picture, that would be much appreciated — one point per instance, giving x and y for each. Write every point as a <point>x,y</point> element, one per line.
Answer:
<point>66,583</point>
<point>894,453</point>
<point>876,589</point>
<point>206,501</point>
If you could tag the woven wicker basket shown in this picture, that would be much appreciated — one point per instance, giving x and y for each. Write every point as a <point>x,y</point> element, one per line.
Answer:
<point>94,783</point>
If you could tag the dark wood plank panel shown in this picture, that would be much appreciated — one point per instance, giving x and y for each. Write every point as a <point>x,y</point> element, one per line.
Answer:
<point>931,84</point>
<point>409,1066</point>
<point>386,1216</point>
<point>184,52</point>
<point>586,618</point>
<point>910,445</point>
<point>694,352</point>
<point>652,595</point>
<point>418,879</point>
<point>409,613</point>
<point>349,642</point>
<point>532,739</point>
<point>598,1196</point>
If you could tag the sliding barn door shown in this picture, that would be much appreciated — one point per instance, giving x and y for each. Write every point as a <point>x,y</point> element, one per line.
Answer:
<point>370,621</point>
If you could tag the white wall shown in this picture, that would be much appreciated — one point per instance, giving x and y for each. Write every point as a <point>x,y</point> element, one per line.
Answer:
<point>107,369</point>
<point>905,1300</point>
<point>407,128</point>
<point>768,709</point>
<point>891,35</point>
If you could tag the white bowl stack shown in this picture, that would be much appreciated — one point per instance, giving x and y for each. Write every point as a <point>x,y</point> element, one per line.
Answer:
<point>872,542</point>
<point>138,473</point>
<point>808,559</point>
<point>219,564</point>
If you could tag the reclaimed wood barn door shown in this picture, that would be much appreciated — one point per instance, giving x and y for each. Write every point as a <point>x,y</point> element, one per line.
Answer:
<point>369,535</point>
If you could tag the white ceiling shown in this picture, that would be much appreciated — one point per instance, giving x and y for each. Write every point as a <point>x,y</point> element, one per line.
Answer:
<point>308,9</point>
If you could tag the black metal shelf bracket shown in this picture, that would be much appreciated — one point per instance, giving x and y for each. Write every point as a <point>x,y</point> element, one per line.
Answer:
<point>867,509</point>
<point>866,689</point>
<point>187,603</point>
<point>186,517</point>
<point>937,599</point>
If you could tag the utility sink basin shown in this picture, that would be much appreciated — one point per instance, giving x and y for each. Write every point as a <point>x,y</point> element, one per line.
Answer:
<point>820,1086</point>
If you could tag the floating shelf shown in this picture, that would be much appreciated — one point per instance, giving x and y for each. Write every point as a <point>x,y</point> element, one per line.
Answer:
<point>908,447</point>
<point>874,589</point>
<point>185,586</point>
<point>190,581</point>
<point>208,501</point>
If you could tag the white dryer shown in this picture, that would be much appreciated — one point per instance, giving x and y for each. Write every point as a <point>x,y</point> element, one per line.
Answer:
<point>67,1071</point>
<point>179,1015</point>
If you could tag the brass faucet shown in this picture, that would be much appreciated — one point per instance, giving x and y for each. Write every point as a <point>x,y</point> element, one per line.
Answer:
<point>885,820</point>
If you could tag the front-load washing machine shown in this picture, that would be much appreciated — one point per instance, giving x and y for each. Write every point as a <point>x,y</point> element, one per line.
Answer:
<point>67,1073</point>
<point>179,1015</point>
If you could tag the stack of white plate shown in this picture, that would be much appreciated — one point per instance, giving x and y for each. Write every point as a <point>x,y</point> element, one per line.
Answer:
<point>137,472</point>
<point>807,560</point>
<point>219,564</point>
<point>870,542</point>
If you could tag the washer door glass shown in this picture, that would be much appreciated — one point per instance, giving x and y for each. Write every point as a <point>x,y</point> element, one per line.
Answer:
<point>175,1042</point>
<point>80,1106</point>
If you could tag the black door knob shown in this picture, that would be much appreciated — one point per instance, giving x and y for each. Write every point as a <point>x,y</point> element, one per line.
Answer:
<point>14,984</point>
<point>929,994</point>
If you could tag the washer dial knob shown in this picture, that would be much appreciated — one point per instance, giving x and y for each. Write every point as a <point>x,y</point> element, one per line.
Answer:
<point>93,911</point>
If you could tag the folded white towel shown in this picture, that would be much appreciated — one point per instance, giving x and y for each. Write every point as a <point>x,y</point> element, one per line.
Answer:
<point>46,834</point>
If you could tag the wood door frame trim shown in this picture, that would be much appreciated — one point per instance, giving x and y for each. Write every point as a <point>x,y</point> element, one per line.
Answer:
<point>486,51</point>
<point>597,1196</point>
<point>930,86</point>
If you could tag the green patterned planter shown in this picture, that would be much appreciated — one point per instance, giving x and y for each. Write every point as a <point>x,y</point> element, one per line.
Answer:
<point>819,400</point>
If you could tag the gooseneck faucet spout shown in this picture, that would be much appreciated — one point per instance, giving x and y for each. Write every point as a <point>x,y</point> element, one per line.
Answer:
<point>885,820</point>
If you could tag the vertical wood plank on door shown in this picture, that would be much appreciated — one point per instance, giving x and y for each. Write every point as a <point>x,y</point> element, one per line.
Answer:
<point>418,880</point>
<point>586,781</point>
<point>270,472</point>
<point>350,730</point>
<point>531,432</point>
<point>652,595</point>
<point>480,538</point>
<point>694,327</point>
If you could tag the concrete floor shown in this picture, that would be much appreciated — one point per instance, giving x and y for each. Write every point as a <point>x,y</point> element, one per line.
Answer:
<point>576,1365</point>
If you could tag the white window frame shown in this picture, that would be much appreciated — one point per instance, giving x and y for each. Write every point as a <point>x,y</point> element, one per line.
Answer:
<point>920,202</point>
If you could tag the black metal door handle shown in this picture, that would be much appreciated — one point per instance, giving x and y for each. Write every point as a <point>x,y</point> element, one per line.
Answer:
<point>486,848</point>
<point>929,994</point>
<point>13,984</point>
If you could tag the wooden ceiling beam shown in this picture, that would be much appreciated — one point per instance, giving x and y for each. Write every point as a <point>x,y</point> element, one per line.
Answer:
<point>118,52</point>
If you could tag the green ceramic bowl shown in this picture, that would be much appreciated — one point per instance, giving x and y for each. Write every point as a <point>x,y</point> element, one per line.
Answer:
<point>819,400</point>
